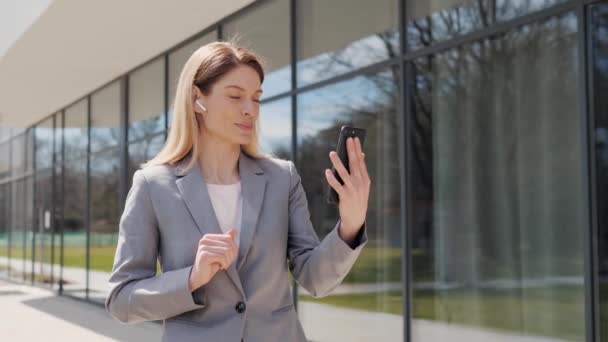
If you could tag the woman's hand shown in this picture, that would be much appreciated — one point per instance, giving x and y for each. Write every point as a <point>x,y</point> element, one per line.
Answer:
<point>354,194</point>
<point>215,252</point>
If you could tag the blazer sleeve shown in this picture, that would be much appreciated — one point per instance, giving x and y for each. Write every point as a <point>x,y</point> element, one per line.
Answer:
<point>318,266</point>
<point>136,293</point>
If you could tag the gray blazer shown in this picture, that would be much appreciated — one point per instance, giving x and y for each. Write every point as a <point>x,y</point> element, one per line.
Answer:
<point>167,212</point>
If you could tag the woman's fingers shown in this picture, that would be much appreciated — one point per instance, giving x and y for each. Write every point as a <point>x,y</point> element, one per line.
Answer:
<point>353,158</point>
<point>223,252</point>
<point>333,182</point>
<point>362,165</point>
<point>224,238</point>
<point>210,258</point>
<point>230,249</point>
<point>211,242</point>
<point>220,243</point>
<point>216,266</point>
<point>337,163</point>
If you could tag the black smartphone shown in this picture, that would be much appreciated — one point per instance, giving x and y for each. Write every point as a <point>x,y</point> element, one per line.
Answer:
<point>345,132</point>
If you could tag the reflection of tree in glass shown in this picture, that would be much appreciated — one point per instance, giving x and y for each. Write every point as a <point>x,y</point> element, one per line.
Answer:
<point>281,152</point>
<point>146,127</point>
<point>375,110</point>
<point>44,145</point>
<point>143,151</point>
<point>600,46</point>
<point>103,137</point>
<point>105,196</point>
<point>75,195</point>
<point>75,142</point>
<point>485,101</point>
<point>463,18</point>
<point>368,50</point>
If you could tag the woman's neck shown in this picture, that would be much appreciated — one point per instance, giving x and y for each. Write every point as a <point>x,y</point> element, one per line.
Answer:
<point>218,161</point>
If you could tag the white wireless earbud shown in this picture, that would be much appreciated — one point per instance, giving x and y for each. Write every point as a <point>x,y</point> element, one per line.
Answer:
<point>200,105</point>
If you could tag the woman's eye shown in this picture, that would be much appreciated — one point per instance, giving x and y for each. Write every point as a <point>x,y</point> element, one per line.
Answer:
<point>258,101</point>
<point>235,97</point>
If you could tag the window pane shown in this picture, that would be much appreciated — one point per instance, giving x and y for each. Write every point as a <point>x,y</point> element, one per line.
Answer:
<point>433,21</point>
<point>600,77</point>
<point>21,230</point>
<point>4,228</point>
<point>5,166</point>
<point>105,117</point>
<point>43,257</point>
<point>57,224</point>
<point>5,133</point>
<point>16,243</point>
<point>275,128</point>
<point>28,226</point>
<point>17,155</point>
<point>75,130</point>
<point>142,151</point>
<point>331,43</point>
<point>58,199</point>
<point>105,214</point>
<point>44,144</point>
<point>58,139</point>
<point>147,100</point>
<point>371,294</point>
<point>74,225</point>
<point>497,180</point>
<point>178,58</point>
<point>270,38</point>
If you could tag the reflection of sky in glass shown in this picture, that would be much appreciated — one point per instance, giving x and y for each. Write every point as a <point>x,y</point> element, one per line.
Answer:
<point>44,145</point>
<point>275,126</point>
<point>465,18</point>
<point>144,150</point>
<point>277,81</point>
<point>153,124</point>
<point>327,105</point>
<point>18,151</point>
<point>44,134</point>
<point>105,163</point>
<point>357,54</point>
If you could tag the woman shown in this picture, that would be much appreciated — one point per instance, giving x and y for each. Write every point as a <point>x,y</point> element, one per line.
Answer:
<point>226,222</point>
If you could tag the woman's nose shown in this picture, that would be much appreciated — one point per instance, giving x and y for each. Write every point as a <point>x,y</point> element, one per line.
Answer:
<point>250,108</point>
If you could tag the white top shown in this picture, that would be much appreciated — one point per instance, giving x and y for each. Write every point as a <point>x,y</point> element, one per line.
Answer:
<point>227,203</point>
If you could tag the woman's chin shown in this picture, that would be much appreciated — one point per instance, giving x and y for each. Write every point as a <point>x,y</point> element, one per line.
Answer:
<point>245,139</point>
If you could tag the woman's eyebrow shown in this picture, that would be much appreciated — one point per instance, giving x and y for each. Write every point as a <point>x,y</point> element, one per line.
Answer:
<point>241,88</point>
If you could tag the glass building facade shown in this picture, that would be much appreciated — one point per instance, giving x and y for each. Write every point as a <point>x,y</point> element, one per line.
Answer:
<point>487,145</point>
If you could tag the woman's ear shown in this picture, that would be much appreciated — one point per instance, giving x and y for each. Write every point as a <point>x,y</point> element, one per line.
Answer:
<point>196,96</point>
<point>195,92</point>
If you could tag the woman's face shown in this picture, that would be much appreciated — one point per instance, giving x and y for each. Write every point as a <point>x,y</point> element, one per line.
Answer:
<point>233,106</point>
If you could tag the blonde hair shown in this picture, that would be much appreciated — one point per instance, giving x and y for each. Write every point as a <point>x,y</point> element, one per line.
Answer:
<point>205,67</point>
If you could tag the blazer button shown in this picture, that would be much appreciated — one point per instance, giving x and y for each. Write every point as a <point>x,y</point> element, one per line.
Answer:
<point>240,307</point>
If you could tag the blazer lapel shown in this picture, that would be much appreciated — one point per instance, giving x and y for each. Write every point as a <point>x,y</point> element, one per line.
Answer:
<point>194,192</point>
<point>253,187</point>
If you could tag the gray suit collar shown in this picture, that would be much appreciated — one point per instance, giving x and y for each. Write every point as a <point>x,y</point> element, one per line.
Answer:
<point>193,189</point>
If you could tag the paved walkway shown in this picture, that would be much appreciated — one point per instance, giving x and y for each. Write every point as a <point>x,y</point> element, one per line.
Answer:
<point>34,314</point>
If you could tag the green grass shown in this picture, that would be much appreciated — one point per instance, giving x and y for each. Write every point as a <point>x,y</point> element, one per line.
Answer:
<point>376,264</point>
<point>554,312</point>
<point>102,257</point>
<point>389,302</point>
<point>373,265</point>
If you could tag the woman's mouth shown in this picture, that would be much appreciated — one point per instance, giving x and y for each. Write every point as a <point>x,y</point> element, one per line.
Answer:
<point>247,127</point>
